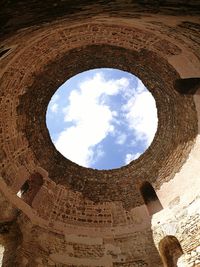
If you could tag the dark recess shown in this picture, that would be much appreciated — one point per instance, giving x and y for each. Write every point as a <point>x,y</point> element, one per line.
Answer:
<point>187,86</point>
<point>3,51</point>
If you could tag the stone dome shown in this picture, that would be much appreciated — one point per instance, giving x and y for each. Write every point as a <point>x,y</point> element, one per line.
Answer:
<point>68,215</point>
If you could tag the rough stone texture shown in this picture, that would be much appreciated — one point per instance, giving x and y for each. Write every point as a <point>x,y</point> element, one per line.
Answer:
<point>76,54</point>
<point>76,216</point>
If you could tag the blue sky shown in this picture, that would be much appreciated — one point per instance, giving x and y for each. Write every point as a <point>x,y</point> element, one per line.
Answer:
<point>102,118</point>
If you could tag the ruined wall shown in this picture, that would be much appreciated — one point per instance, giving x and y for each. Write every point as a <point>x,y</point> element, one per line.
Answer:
<point>101,45</point>
<point>79,216</point>
<point>181,201</point>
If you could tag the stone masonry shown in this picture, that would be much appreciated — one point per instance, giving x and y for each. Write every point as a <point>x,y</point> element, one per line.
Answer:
<point>57,213</point>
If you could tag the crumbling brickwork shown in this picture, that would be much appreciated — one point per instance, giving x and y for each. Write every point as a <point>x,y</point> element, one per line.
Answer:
<point>56,213</point>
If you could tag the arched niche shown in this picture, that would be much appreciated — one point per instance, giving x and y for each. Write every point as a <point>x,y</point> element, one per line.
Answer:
<point>170,251</point>
<point>187,86</point>
<point>150,198</point>
<point>3,51</point>
<point>31,187</point>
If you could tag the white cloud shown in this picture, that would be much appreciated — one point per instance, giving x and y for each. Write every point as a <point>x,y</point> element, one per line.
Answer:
<point>92,118</point>
<point>130,157</point>
<point>141,114</point>
<point>99,153</point>
<point>54,108</point>
<point>121,138</point>
<point>54,103</point>
<point>55,98</point>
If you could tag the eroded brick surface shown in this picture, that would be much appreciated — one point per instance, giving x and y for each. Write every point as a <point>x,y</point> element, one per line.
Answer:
<point>76,216</point>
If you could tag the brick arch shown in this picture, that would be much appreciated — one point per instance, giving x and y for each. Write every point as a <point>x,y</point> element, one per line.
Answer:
<point>170,250</point>
<point>187,86</point>
<point>150,198</point>
<point>31,187</point>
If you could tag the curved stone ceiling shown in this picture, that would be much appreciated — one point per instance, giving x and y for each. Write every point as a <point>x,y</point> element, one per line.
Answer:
<point>50,55</point>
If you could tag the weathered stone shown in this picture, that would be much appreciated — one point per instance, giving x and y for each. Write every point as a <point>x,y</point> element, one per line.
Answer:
<point>72,216</point>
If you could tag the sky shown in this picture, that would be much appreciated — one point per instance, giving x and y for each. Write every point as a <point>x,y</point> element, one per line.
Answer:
<point>102,118</point>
